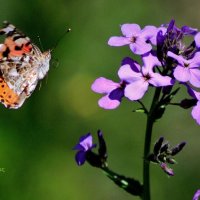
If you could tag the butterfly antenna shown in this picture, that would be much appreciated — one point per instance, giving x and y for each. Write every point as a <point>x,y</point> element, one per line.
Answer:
<point>40,43</point>
<point>60,38</point>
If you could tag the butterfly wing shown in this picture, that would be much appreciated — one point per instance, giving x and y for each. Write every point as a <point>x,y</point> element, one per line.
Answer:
<point>20,76</point>
<point>8,97</point>
<point>16,44</point>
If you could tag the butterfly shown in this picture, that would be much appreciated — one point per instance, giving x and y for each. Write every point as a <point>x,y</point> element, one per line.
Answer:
<point>22,65</point>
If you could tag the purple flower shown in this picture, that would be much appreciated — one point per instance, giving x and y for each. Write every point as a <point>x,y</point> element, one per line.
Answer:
<point>187,70</point>
<point>196,109</point>
<point>167,169</point>
<point>139,78</point>
<point>85,152</point>
<point>196,112</point>
<point>137,39</point>
<point>85,144</point>
<point>113,92</point>
<point>102,146</point>
<point>196,195</point>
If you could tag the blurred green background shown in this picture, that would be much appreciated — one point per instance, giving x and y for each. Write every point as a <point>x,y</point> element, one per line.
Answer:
<point>36,140</point>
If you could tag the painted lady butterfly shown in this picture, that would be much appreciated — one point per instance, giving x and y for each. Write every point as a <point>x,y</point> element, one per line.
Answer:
<point>22,65</point>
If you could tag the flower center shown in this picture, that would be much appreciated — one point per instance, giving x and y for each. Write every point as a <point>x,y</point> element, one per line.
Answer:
<point>123,84</point>
<point>133,39</point>
<point>147,77</point>
<point>186,65</point>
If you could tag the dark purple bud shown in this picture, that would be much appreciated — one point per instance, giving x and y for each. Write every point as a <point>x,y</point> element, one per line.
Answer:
<point>158,145</point>
<point>160,45</point>
<point>102,146</point>
<point>171,25</point>
<point>178,148</point>
<point>164,147</point>
<point>188,103</point>
<point>188,30</point>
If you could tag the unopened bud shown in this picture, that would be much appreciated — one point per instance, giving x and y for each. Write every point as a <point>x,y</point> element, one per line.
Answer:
<point>178,148</point>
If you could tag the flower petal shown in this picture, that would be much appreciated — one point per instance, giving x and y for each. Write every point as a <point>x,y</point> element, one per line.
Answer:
<point>196,112</point>
<point>149,33</point>
<point>136,90</point>
<point>195,61</point>
<point>197,39</point>
<point>80,157</point>
<point>182,74</point>
<point>192,92</point>
<point>130,30</point>
<point>180,59</point>
<point>103,85</point>
<point>150,60</point>
<point>127,74</point>
<point>78,147</point>
<point>107,103</point>
<point>86,142</point>
<point>159,80</point>
<point>167,169</point>
<point>188,30</point>
<point>140,46</point>
<point>133,64</point>
<point>117,94</point>
<point>195,77</point>
<point>118,41</point>
<point>196,195</point>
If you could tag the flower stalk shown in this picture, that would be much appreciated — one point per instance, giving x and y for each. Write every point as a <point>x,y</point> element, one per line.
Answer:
<point>147,145</point>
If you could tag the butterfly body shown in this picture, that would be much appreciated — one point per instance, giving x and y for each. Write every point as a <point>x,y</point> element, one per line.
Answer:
<point>22,65</point>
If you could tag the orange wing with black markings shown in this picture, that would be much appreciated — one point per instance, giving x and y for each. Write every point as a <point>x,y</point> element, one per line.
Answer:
<point>16,43</point>
<point>7,96</point>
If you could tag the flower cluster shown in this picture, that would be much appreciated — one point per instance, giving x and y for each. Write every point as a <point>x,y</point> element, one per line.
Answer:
<point>164,155</point>
<point>166,59</point>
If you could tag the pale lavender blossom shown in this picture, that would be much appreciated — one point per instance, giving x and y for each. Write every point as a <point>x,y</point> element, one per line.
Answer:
<point>138,39</point>
<point>187,70</point>
<point>140,78</point>
<point>113,92</point>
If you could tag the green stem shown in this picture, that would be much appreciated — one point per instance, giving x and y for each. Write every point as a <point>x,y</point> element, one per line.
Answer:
<point>130,185</point>
<point>147,145</point>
